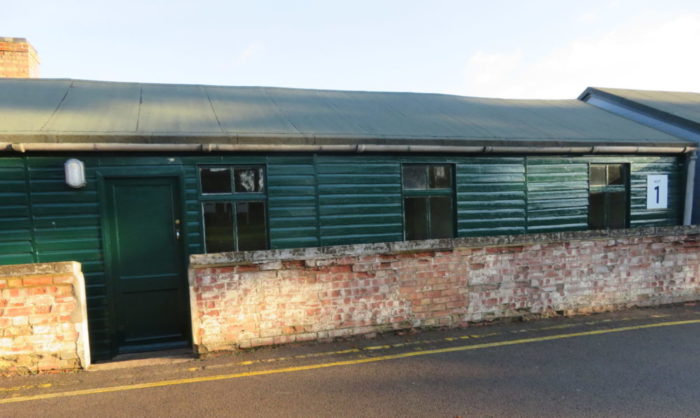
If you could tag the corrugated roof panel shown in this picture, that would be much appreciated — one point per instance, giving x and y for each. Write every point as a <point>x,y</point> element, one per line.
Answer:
<point>47,110</point>
<point>174,110</point>
<point>310,113</point>
<point>97,107</point>
<point>247,110</point>
<point>27,107</point>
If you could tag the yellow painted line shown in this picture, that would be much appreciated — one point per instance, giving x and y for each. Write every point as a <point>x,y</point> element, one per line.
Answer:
<point>16,388</point>
<point>390,346</point>
<point>339,363</point>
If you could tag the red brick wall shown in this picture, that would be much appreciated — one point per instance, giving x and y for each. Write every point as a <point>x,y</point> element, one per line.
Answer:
<point>272,297</point>
<point>18,59</point>
<point>43,319</point>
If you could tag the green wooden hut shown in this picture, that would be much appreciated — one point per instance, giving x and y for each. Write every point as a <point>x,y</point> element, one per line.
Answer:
<point>174,170</point>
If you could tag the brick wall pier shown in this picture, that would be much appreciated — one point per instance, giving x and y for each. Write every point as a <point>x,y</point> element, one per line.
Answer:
<point>43,318</point>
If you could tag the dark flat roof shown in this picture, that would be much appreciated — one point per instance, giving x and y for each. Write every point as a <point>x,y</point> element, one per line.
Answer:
<point>80,111</point>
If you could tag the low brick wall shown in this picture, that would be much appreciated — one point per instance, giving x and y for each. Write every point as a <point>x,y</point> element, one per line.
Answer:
<point>259,298</point>
<point>43,318</point>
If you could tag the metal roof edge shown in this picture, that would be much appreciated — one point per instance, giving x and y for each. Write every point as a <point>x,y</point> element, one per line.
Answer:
<point>645,109</point>
<point>357,148</point>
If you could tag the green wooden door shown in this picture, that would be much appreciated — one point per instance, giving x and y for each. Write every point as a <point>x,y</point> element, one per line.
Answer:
<point>145,264</point>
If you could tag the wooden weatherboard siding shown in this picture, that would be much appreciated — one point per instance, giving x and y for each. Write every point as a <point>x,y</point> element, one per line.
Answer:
<point>312,200</point>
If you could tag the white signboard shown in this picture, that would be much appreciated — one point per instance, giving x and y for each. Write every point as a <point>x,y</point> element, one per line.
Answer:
<point>657,191</point>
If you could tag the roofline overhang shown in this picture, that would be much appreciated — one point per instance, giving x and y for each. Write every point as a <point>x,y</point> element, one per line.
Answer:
<point>637,106</point>
<point>23,147</point>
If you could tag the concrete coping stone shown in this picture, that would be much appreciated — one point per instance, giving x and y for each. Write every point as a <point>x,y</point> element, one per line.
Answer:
<point>40,268</point>
<point>352,250</point>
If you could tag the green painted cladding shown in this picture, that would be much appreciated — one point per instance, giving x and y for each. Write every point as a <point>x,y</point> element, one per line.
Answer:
<point>292,203</point>
<point>311,200</point>
<point>359,200</point>
<point>16,231</point>
<point>491,196</point>
<point>557,194</point>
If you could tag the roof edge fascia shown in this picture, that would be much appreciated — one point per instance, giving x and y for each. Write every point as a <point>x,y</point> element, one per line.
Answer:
<point>352,148</point>
<point>644,109</point>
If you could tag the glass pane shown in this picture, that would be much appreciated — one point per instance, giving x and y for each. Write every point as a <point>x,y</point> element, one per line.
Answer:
<point>597,175</point>
<point>218,226</point>
<point>440,176</point>
<point>616,174</point>
<point>596,211</point>
<point>617,210</point>
<point>215,180</point>
<point>416,217</point>
<point>414,177</point>
<point>250,222</point>
<point>249,179</point>
<point>441,224</point>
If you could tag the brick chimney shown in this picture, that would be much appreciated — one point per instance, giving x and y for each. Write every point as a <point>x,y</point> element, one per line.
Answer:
<point>18,59</point>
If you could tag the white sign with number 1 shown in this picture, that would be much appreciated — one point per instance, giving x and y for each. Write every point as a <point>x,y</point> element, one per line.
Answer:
<point>657,191</point>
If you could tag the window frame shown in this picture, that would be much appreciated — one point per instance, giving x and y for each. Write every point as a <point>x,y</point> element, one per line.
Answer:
<point>428,193</point>
<point>233,198</point>
<point>607,190</point>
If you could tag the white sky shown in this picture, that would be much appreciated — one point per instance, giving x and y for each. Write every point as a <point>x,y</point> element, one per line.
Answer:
<point>494,48</point>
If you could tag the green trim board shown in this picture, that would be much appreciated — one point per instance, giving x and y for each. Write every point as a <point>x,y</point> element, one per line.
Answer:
<point>313,199</point>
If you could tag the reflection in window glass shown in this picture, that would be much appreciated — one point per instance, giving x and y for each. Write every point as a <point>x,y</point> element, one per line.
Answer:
<point>250,222</point>
<point>615,174</point>
<point>617,210</point>
<point>596,211</point>
<point>415,210</point>
<point>218,227</point>
<point>249,179</point>
<point>215,180</point>
<point>415,177</point>
<point>597,177</point>
<point>441,217</point>
<point>440,176</point>
<point>608,201</point>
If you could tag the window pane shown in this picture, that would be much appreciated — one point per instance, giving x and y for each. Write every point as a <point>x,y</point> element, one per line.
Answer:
<point>416,217</point>
<point>441,217</point>
<point>440,176</point>
<point>218,226</point>
<point>249,179</point>
<point>414,177</point>
<point>215,180</point>
<point>596,211</point>
<point>617,210</point>
<point>615,174</point>
<point>597,175</point>
<point>250,220</point>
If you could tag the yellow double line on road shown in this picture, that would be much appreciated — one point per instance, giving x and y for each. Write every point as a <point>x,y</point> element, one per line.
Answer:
<point>340,363</point>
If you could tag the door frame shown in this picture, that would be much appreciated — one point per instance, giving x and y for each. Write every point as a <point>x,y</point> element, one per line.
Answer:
<point>103,175</point>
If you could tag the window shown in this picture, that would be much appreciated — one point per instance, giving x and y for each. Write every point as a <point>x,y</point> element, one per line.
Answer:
<point>427,201</point>
<point>233,208</point>
<point>608,197</point>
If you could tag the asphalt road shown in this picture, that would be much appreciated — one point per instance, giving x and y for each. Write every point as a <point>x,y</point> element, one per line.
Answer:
<point>637,363</point>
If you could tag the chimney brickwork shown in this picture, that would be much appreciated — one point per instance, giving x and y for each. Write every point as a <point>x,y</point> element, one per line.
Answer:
<point>18,59</point>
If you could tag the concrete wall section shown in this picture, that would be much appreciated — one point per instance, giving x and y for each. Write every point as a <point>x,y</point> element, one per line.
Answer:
<point>43,318</point>
<point>272,297</point>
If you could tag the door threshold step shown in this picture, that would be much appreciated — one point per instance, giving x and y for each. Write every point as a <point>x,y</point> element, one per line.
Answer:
<point>151,358</point>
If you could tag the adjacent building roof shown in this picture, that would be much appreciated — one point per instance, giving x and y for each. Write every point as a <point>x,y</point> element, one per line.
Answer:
<point>71,114</point>
<point>677,113</point>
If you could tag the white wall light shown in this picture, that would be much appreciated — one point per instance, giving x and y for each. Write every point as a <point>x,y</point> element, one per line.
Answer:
<point>75,173</point>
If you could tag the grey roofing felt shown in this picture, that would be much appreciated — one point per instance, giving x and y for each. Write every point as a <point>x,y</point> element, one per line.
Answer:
<point>61,110</point>
<point>684,105</point>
